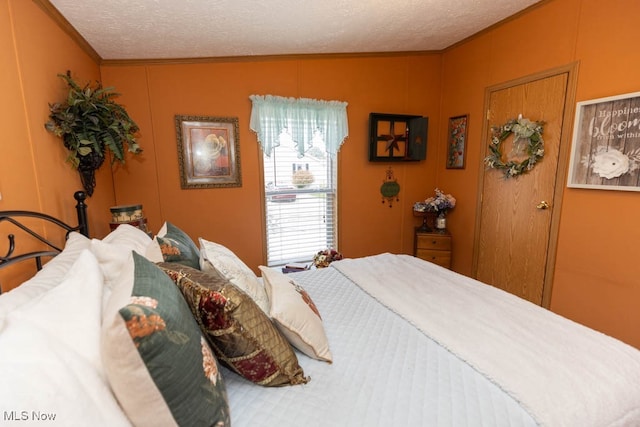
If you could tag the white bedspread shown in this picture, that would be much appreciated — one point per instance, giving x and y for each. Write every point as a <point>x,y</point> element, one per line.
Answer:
<point>563,373</point>
<point>385,372</point>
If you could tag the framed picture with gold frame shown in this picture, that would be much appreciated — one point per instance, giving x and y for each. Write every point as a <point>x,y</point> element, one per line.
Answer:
<point>208,151</point>
<point>397,137</point>
<point>457,142</point>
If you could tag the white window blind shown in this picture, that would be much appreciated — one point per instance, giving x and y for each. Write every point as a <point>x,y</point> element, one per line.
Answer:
<point>300,198</point>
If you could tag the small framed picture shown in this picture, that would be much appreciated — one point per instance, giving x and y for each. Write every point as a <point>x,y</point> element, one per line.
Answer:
<point>456,143</point>
<point>208,151</point>
<point>605,151</point>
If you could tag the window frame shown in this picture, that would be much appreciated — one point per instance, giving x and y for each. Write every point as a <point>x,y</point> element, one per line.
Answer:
<point>331,199</point>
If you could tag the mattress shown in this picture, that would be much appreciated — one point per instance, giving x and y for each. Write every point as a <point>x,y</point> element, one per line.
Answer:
<point>385,372</point>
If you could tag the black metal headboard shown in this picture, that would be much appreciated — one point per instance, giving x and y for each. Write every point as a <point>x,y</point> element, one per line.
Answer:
<point>16,217</point>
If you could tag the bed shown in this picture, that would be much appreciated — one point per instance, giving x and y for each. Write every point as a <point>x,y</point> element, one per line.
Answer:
<point>139,330</point>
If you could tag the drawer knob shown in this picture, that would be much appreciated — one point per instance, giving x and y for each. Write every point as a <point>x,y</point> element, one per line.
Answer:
<point>433,242</point>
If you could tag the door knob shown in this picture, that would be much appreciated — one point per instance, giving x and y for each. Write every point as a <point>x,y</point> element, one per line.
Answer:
<point>543,205</point>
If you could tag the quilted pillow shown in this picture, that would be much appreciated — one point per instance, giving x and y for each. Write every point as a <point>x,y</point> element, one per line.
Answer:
<point>295,315</point>
<point>242,335</point>
<point>218,258</point>
<point>158,363</point>
<point>176,246</point>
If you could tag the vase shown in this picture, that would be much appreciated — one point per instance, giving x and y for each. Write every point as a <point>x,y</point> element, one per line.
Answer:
<point>87,167</point>
<point>425,220</point>
<point>441,221</point>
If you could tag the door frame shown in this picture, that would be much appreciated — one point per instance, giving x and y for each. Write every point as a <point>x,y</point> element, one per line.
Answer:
<point>561,173</point>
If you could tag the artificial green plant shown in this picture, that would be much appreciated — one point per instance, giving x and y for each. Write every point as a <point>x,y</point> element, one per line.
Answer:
<point>91,124</point>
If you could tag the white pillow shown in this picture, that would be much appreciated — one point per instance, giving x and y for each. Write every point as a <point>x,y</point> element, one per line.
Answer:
<point>129,235</point>
<point>214,256</point>
<point>50,275</point>
<point>154,253</point>
<point>295,315</point>
<point>113,251</point>
<point>50,359</point>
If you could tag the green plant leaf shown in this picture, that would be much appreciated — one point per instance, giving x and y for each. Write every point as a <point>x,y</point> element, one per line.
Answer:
<point>90,121</point>
<point>83,151</point>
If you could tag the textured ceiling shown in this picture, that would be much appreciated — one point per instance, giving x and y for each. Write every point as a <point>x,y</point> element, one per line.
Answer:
<point>170,29</point>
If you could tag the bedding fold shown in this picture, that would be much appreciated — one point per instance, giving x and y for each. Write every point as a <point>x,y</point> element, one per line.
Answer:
<point>562,373</point>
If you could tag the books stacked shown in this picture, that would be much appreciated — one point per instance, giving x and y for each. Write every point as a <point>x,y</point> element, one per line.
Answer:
<point>295,266</point>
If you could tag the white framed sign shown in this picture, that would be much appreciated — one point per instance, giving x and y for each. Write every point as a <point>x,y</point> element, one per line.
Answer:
<point>605,150</point>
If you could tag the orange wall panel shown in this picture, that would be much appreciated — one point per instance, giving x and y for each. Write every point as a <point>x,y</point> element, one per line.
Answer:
<point>33,174</point>
<point>596,272</point>
<point>597,267</point>
<point>17,172</point>
<point>232,216</point>
<point>44,51</point>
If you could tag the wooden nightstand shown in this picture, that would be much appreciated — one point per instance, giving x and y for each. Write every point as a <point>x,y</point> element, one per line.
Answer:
<point>433,246</point>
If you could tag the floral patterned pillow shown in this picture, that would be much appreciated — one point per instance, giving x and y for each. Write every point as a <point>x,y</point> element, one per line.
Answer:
<point>241,334</point>
<point>296,315</point>
<point>158,363</point>
<point>220,259</point>
<point>177,246</point>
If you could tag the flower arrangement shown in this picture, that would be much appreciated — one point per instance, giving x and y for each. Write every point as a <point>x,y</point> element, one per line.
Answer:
<point>323,258</point>
<point>440,203</point>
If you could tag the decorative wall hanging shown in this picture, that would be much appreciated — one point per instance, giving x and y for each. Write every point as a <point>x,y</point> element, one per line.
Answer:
<point>397,138</point>
<point>208,151</point>
<point>390,188</point>
<point>456,143</point>
<point>605,150</point>
<point>91,124</point>
<point>527,143</point>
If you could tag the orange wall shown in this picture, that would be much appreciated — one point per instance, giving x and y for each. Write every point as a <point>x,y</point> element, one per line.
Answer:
<point>33,174</point>
<point>154,94</point>
<point>597,273</point>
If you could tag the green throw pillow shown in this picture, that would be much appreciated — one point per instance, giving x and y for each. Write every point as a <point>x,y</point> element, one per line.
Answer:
<point>159,364</point>
<point>177,246</point>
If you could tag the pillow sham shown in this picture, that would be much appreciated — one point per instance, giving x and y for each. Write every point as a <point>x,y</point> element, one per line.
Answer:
<point>50,360</point>
<point>160,366</point>
<point>240,333</point>
<point>115,249</point>
<point>50,276</point>
<point>216,257</point>
<point>126,234</point>
<point>176,246</point>
<point>296,315</point>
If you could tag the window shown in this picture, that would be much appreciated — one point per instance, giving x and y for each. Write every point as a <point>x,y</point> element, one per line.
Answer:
<point>300,139</point>
<point>300,201</point>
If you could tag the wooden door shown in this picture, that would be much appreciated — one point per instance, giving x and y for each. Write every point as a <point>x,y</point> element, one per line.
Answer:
<point>515,234</point>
